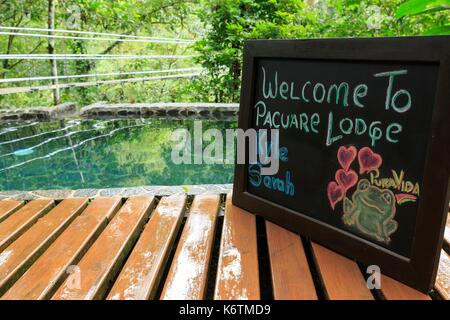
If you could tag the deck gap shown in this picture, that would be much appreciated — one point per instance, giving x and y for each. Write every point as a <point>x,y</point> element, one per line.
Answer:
<point>435,295</point>
<point>321,291</point>
<point>265,273</point>
<point>187,207</point>
<point>446,247</point>
<point>223,199</point>
<point>132,243</point>
<point>168,262</point>
<point>376,293</point>
<point>156,200</point>
<point>214,260</point>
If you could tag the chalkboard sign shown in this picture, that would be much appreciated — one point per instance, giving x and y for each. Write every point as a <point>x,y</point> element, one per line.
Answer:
<point>363,149</point>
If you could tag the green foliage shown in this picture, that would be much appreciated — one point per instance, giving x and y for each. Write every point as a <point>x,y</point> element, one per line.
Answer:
<point>229,23</point>
<point>222,27</point>
<point>158,18</point>
<point>421,7</point>
<point>413,7</point>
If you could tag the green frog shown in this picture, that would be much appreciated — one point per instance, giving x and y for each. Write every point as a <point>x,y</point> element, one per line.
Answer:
<point>371,211</point>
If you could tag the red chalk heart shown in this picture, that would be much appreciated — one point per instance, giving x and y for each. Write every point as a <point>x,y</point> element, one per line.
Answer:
<point>346,156</point>
<point>368,160</point>
<point>346,179</point>
<point>335,193</point>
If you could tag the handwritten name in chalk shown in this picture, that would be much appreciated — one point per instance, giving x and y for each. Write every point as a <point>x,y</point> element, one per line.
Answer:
<point>284,185</point>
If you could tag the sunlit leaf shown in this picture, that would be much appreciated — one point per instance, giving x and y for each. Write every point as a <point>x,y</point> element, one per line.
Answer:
<point>413,7</point>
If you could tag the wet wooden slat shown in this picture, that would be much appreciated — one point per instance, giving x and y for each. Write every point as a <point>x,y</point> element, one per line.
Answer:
<point>291,276</point>
<point>20,221</point>
<point>141,274</point>
<point>341,276</point>
<point>8,207</point>
<point>442,284</point>
<point>25,250</point>
<point>42,278</point>
<point>189,270</point>
<point>238,274</point>
<point>395,290</point>
<point>106,255</point>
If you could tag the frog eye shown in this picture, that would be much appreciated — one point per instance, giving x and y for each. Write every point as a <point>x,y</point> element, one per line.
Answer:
<point>364,184</point>
<point>387,196</point>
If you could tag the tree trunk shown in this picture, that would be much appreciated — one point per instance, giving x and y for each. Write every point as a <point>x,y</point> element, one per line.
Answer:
<point>51,49</point>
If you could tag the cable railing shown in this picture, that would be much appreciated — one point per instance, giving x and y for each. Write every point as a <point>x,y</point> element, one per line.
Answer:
<point>166,74</point>
<point>53,36</point>
<point>97,75</point>
<point>69,56</point>
<point>12,90</point>
<point>95,33</point>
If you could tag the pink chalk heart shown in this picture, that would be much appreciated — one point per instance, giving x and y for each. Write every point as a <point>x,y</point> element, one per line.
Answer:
<point>368,160</point>
<point>346,179</point>
<point>335,193</point>
<point>346,156</point>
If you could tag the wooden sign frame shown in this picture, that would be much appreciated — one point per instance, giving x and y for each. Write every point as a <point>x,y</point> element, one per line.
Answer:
<point>419,270</point>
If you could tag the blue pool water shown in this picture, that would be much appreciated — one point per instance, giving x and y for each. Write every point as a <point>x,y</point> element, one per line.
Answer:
<point>75,154</point>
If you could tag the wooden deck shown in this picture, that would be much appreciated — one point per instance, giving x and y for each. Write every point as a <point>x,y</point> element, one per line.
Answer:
<point>174,247</point>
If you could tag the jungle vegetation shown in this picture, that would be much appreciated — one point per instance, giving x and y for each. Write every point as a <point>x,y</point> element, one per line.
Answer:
<point>220,28</point>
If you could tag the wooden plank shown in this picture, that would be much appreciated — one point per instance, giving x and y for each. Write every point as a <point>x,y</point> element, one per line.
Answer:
<point>29,246</point>
<point>103,260</point>
<point>395,290</point>
<point>189,270</point>
<point>43,277</point>
<point>14,226</point>
<point>141,274</point>
<point>8,207</point>
<point>341,276</point>
<point>291,276</point>
<point>238,274</point>
<point>442,284</point>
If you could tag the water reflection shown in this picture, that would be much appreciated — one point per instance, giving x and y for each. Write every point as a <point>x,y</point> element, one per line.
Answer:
<point>100,154</point>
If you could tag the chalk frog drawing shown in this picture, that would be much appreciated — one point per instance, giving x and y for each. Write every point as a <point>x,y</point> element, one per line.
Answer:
<point>371,211</point>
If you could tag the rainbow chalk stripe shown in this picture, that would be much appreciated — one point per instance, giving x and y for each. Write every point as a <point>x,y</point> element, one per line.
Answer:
<point>404,197</point>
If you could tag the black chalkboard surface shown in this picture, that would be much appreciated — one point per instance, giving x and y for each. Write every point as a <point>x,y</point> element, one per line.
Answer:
<point>363,144</point>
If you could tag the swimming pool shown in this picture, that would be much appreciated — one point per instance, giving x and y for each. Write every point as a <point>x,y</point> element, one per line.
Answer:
<point>78,154</point>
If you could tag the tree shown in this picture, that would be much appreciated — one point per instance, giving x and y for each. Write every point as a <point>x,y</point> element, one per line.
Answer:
<point>18,13</point>
<point>229,23</point>
<point>51,49</point>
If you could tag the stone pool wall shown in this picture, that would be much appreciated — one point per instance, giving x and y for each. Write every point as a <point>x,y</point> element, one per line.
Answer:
<point>101,110</point>
<point>39,113</point>
<point>177,110</point>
